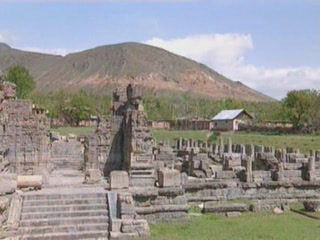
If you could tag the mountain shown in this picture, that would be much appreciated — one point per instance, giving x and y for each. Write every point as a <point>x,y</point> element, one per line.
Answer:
<point>105,68</point>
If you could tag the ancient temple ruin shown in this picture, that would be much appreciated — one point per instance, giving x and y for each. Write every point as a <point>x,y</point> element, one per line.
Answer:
<point>117,181</point>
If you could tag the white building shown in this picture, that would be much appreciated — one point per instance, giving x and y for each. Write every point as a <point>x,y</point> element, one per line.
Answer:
<point>229,120</point>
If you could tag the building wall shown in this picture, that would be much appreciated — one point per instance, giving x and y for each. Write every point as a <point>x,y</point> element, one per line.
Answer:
<point>222,125</point>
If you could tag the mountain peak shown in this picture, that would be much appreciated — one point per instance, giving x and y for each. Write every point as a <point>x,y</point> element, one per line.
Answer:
<point>4,46</point>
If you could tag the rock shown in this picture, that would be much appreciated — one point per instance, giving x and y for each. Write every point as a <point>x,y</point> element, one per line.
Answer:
<point>277,211</point>
<point>312,205</point>
<point>8,184</point>
<point>1,219</point>
<point>4,203</point>
<point>285,207</point>
<point>233,214</point>
<point>220,208</point>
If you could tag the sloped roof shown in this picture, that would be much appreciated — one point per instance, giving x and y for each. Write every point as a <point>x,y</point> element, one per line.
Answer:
<point>229,114</point>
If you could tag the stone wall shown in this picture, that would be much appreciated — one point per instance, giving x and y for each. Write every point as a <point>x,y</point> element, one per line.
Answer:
<point>24,135</point>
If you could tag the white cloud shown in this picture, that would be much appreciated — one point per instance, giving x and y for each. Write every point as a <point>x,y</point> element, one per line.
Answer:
<point>226,53</point>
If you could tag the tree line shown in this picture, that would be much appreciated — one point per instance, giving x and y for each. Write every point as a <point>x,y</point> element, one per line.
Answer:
<point>300,107</point>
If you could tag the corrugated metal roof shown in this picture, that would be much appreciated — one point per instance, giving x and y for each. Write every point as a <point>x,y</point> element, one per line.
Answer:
<point>227,114</point>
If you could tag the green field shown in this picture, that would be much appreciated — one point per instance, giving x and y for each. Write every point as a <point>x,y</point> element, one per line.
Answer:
<point>303,142</point>
<point>249,226</point>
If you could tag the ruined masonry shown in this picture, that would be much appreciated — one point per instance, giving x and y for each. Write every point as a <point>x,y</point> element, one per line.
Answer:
<point>114,183</point>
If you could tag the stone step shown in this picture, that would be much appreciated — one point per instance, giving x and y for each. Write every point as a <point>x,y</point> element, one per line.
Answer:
<point>63,214</point>
<point>64,228</point>
<point>68,236</point>
<point>97,201</point>
<point>64,208</point>
<point>63,221</point>
<point>52,196</point>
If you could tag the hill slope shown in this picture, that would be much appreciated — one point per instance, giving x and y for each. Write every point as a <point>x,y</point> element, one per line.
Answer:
<point>104,68</point>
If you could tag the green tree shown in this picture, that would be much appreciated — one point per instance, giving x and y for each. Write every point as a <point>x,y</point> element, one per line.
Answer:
<point>20,76</point>
<point>296,106</point>
<point>78,107</point>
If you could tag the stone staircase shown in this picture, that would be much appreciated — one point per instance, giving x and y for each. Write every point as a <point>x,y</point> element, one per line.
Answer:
<point>67,155</point>
<point>65,214</point>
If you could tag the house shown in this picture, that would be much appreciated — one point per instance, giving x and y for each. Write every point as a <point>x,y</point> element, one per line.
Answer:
<point>229,120</point>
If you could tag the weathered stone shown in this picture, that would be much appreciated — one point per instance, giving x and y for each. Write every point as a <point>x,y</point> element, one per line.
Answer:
<point>169,178</point>
<point>4,203</point>
<point>277,211</point>
<point>312,205</point>
<point>219,208</point>
<point>233,214</point>
<point>29,181</point>
<point>8,184</point>
<point>14,213</point>
<point>119,180</point>
<point>92,176</point>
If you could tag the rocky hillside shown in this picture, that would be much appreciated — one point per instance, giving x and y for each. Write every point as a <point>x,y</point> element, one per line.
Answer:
<point>104,68</point>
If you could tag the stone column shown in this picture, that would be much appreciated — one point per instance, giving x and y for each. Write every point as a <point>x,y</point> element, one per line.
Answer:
<point>249,177</point>
<point>311,166</point>
<point>221,147</point>
<point>229,145</point>
<point>280,176</point>
<point>191,163</point>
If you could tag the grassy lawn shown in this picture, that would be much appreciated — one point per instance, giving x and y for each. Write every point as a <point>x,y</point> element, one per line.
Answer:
<point>303,142</point>
<point>168,135</point>
<point>74,130</point>
<point>249,226</point>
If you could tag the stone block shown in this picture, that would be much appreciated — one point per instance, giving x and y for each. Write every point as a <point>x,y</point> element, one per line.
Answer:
<point>119,180</point>
<point>26,181</point>
<point>115,225</point>
<point>233,214</point>
<point>92,176</point>
<point>8,184</point>
<point>220,208</point>
<point>169,178</point>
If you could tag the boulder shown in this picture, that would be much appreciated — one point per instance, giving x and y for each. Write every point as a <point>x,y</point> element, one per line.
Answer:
<point>277,211</point>
<point>312,205</point>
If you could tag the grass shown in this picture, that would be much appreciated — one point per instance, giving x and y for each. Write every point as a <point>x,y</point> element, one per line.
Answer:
<point>74,130</point>
<point>249,226</point>
<point>303,142</point>
<point>170,135</point>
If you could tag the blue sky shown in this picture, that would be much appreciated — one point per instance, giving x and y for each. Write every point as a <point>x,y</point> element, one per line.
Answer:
<point>272,46</point>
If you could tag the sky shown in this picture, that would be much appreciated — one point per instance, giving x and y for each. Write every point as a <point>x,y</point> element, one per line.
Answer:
<point>271,46</point>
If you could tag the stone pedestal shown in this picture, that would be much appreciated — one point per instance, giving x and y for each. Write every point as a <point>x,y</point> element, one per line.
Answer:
<point>119,180</point>
<point>169,178</point>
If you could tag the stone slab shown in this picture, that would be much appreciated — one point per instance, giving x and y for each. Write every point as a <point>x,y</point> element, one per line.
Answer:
<point>119,180</point>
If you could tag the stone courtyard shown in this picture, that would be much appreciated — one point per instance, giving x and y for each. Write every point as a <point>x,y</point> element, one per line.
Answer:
<point>114,183</point>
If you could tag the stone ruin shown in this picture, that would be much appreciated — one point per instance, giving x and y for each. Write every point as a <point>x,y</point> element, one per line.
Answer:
<point>128,180</point>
